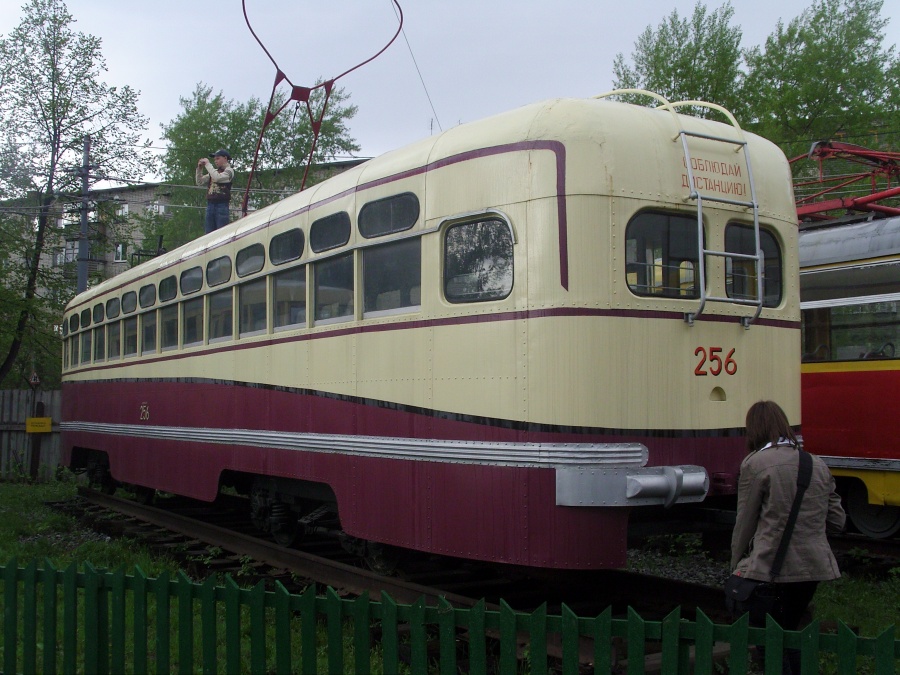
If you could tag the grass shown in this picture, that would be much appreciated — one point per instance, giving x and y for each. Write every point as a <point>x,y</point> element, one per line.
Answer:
<point>31,530</point>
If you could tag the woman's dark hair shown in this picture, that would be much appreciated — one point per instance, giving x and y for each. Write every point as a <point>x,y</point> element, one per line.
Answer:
<point>766,423</point>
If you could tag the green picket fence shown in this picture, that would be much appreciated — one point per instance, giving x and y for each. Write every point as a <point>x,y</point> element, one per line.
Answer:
<point>92,621</point>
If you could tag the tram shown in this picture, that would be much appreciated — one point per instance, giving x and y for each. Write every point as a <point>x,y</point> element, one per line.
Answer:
<point>493,344</point>
<point>850,292</point>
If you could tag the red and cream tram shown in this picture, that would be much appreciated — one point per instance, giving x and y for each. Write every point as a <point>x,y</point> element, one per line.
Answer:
<point>492,344</point>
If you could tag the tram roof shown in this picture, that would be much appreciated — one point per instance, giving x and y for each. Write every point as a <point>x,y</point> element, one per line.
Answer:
<point>849,241</point>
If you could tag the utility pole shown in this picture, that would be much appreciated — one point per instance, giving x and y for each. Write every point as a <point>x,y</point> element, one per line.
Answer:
<point>83,235</point>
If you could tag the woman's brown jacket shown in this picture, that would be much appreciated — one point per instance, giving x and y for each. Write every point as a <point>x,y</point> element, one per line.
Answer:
<point>766,489</point>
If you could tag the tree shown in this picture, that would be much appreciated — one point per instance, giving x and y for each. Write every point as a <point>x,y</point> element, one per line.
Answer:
<point>823,76</point>
<point>51,98</point>
<point>686,59</point>
<point>208,121</point>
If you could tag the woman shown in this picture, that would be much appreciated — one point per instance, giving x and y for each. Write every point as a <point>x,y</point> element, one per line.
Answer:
<point>766,490</point>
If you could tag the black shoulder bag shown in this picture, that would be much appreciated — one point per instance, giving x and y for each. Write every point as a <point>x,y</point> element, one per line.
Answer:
<point>762,597</point>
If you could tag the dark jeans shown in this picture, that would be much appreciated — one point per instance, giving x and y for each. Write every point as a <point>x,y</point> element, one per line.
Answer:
<point>795,598</point>
<point>216,216</point>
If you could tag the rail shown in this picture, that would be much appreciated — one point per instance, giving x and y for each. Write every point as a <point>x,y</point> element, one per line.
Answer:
<point>101,622</point>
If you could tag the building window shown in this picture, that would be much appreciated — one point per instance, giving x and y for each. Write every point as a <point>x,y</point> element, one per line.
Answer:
<point>478,261</point>
<point>120,253</point>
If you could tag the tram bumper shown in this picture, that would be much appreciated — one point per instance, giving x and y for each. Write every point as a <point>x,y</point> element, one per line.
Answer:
<point>631,485</point>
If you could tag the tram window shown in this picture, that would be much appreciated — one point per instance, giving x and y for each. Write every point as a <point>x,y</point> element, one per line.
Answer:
<point>250,259</point>
<point>112,308</point>
<point>86,347</point>
<point>148,333</point>
<point>113,348</point>
<point>192,321</point>
<point>867,330</point>
<point>168,327</point>
<point>392,276</point>
<point>286,246</point>
<point>130,341</point>
<point>147,295</point>
<point>661,255</point>
<point>218,271</point>
<point>73,322</point>
<point>98,313</point>
<point>740,275</point>
<point>168,289</point>
<point>252,297</point>
<point>191,280</point>
<point>85,318</point>
<point>99,343</point>
<point>220,315</point>
<point>129,302</point>
<point>67,353</point>
<point>478,261</point>
<point>391,214</point>
<point>330,232</point>
<point>333,288</point>
<point>65,328</point>
<point>289,297</point>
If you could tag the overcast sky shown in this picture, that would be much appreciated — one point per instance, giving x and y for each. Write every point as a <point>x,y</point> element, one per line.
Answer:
<point>476,57</point>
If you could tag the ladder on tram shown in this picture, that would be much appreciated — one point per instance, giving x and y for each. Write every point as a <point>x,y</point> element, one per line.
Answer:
<point>740,146</point>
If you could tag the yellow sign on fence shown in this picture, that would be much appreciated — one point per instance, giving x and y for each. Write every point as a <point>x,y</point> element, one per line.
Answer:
<point>38,425</point>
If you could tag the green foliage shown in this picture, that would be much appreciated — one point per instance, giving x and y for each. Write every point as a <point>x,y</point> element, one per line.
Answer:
<point>824,76</point>
<point>209,121</point>
<point>51,98</point>
<point>686,59</point>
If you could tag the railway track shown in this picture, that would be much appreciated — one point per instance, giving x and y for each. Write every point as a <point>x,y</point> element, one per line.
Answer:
<point>218,539</point>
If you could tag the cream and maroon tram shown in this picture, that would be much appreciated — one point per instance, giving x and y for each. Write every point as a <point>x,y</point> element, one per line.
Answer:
<point>491,344</point>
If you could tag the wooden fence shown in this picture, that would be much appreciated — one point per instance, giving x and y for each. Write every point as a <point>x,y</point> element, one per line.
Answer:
<point>28,454</point>
<point>108,622</point>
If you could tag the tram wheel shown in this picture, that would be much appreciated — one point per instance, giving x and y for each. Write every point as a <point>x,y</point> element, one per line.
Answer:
<point>872,520</point>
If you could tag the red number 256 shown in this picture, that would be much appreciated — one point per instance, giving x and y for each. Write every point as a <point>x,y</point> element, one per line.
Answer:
<point>716,363</point>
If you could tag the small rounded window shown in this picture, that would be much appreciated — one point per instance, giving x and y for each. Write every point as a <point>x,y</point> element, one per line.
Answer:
<point>250,259</point>
<point>129,302</point>
<point>385,216</point>
<point>191,280</point>
<point>286,246</point>
<point>168,289</point>
<point>329,232</point>
<point>98,313</point>
<point>112,308</point>
<point>147,295</point>
<point>218,271</point>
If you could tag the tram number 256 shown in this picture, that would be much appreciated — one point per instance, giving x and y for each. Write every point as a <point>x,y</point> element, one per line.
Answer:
<point>712,363</point>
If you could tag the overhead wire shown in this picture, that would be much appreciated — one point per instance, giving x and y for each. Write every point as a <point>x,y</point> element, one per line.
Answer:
<point>416,64</point>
